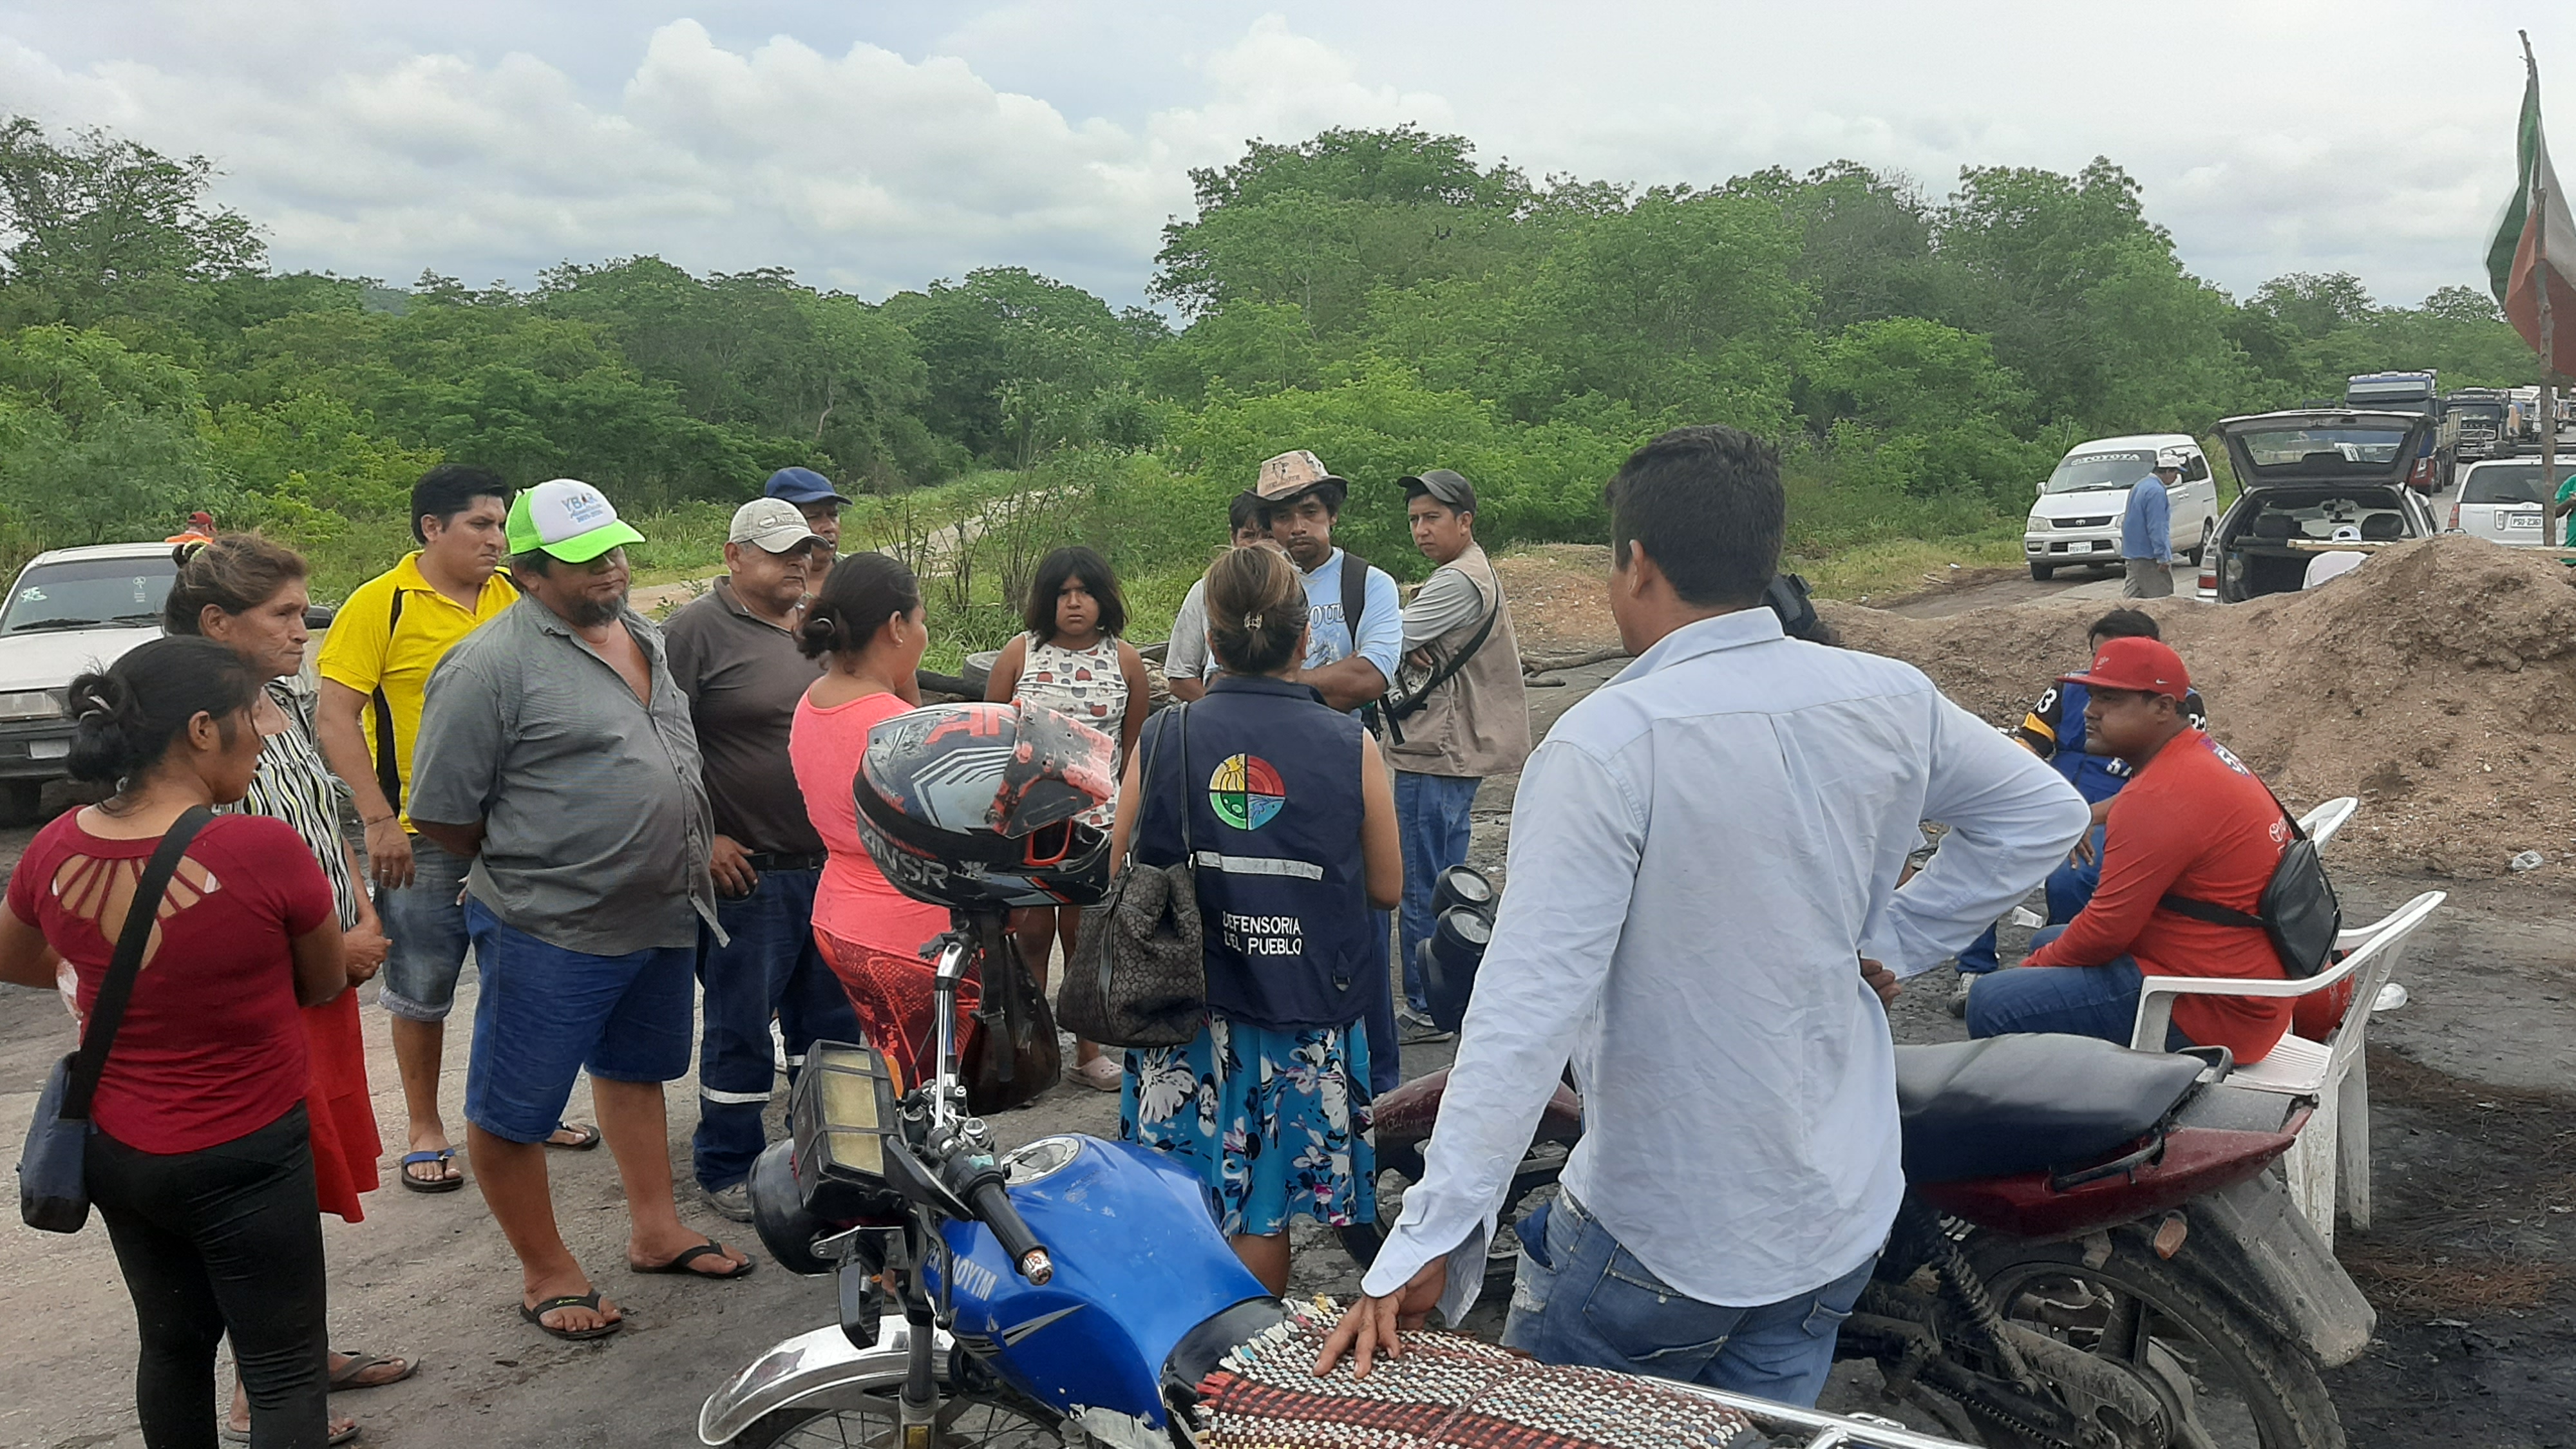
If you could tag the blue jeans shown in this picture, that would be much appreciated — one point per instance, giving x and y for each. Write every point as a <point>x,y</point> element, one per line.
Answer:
<point>2096,1001</point>
<point>1431,817</point>
<point>426,926</point>
<point>2070,888</point>
<point>1589,1301</point>
<point>546,1014</point>
<point>771,968</point>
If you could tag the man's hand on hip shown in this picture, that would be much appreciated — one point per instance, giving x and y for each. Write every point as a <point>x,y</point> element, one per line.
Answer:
<point>1370,1324</point>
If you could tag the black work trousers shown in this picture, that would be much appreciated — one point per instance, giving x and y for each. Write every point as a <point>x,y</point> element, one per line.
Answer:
<point>223,1241</point>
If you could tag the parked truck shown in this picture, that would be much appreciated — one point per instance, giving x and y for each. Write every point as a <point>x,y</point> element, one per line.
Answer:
<point>2482,420</point>
<point>2418,393</point>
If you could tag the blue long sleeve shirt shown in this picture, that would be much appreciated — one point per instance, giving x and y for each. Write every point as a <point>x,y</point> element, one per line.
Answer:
<point>1700,852</point>
<point>2146,529</point>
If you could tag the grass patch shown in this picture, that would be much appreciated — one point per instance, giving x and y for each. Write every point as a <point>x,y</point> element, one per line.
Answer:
<point>1903,565</point>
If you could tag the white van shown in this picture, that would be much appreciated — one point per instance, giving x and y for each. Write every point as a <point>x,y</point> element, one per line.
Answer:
<point>2076,522</point>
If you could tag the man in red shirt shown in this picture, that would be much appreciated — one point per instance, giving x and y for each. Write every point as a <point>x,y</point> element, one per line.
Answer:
<point>2192,822</point>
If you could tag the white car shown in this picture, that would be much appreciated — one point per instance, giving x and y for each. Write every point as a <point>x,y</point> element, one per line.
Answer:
<point>72,610</point>
<point>2504,500</point>
<point>2076,521</point>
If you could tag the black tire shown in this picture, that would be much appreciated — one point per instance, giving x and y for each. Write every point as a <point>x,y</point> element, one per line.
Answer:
<point>980,1422</point>
<point>2043,572</point>
<point>21,801</point>
<point>2210,1362</point>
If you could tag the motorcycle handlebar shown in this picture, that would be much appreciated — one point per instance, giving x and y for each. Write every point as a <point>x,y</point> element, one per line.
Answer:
<point>992,1204</point>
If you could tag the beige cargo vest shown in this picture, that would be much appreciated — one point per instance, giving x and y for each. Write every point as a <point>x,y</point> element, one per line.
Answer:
<point>1475,724</point>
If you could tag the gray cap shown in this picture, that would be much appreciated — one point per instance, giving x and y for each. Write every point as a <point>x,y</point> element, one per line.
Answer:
<point>1449,487</point>
<point>773,523</point>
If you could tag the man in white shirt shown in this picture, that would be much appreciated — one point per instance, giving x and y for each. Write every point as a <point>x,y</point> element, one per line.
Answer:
<point>1703,854</point>
<point>1186,660</point>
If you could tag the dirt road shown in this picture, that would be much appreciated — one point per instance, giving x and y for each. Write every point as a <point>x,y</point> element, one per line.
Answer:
<point>2474,1136</point>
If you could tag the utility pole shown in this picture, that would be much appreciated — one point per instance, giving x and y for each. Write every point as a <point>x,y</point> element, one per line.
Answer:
<point>2538,181</point>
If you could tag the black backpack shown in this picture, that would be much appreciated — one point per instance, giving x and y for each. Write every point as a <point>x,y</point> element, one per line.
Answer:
<point>2298,909</point>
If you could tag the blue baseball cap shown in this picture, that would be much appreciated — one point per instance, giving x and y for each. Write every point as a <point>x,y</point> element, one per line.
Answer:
<point>801,486</point>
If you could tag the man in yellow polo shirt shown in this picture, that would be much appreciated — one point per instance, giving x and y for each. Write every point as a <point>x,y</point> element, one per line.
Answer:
<point>375,667</point>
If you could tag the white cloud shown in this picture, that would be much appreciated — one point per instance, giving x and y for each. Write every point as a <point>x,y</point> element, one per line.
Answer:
<point>2360,135</point>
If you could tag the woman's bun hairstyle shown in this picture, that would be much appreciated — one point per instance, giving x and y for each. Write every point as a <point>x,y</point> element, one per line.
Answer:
<point>1256,609</point>
<point>860,593</point>
<point>235,572</point>
<point>125,716</point>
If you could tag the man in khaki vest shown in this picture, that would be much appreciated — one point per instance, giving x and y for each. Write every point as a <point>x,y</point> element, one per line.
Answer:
<point>1464,666</point>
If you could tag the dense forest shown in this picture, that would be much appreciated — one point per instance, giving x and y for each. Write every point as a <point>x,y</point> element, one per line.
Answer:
<point>1378,296</point>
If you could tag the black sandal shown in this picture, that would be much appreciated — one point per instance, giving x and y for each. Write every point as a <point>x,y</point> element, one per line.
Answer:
<point>680,1264</point>
<point>440,1155</point>
<point>589,1300</point>
<point>584,1137</point>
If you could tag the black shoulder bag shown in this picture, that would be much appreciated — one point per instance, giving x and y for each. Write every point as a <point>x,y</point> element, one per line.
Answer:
<point>53,1190</point>
<point>2298,909</point>
<point>1408,699</point>
<point>1138,977</point>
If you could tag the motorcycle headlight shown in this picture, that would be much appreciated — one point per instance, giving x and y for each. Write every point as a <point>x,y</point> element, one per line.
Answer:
<point>27,704</point>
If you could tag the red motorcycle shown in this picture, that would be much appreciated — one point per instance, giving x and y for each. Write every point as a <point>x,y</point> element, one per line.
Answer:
<point>2092,1252</point>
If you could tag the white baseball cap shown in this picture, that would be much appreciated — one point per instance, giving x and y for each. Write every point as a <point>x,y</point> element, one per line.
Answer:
<point>568,519</point>
<point>773,523</point>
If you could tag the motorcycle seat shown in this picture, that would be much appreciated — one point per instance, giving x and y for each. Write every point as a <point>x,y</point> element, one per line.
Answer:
<point>2029,1102</point>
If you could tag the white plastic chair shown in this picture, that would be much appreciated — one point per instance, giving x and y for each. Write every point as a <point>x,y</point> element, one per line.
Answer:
<point>2330,1162</point>
<point>2322,822</point>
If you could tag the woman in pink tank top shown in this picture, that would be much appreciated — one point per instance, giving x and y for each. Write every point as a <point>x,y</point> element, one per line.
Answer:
<point>867,626</point>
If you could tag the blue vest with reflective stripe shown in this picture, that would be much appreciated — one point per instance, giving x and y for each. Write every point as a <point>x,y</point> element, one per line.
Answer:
<point>1272,784</point>
<point>2095,777</point>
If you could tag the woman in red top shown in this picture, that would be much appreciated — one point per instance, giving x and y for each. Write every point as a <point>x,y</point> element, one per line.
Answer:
<point>248,594</point>
<point>200,1161</point>
<point>867,627</point>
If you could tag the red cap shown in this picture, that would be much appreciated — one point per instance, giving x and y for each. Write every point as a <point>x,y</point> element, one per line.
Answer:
<point>2148,666</point>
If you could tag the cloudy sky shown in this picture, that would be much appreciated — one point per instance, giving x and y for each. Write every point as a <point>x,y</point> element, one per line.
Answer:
<point>872,146</point>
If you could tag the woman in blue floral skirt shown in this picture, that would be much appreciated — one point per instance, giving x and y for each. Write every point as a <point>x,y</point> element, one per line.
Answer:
<point>1290,815</point>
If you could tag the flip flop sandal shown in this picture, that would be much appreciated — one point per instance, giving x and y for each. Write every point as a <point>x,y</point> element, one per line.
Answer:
<point>680,1265</point>
<point>231,1435</point>
<point>442,1156</point>
<point>346,1379</point>
<point>589,1300</point>
<point>585,1137</point>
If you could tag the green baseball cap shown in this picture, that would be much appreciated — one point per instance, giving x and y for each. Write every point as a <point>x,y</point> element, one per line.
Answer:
<point>568,519</point>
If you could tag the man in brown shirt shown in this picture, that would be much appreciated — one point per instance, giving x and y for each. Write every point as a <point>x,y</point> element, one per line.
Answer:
<point>1457,711</point>
<point>733,653</point>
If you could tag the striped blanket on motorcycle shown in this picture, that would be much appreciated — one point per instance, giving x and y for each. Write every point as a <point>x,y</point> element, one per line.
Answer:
<point>1448,1391</point>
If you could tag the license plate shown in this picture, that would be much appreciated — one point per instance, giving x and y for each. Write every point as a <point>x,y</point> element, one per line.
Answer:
<point>48,749</point>
<point>2529,522</point>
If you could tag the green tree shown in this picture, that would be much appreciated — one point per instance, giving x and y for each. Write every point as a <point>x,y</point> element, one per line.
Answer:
<point>102,225</point>
<point>98,443</point>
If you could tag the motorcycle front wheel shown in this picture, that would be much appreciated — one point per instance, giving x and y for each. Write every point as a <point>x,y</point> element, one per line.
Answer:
<point>2223,1380</point>
<point>966,1421</point>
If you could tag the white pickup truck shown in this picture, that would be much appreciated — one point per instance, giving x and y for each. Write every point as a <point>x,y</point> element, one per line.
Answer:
<point>72,610</point>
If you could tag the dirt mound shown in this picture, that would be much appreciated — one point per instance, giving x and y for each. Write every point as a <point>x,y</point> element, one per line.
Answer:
<point>2434,682</point>
<point>1560,598</point>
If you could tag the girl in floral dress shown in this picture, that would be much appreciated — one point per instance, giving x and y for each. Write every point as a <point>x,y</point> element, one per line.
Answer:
<point>1072,661</point>
<point>1289,814</point>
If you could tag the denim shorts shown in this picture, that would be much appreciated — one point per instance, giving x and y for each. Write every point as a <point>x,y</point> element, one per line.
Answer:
<point>544,1014</point>
<point>426,927</point>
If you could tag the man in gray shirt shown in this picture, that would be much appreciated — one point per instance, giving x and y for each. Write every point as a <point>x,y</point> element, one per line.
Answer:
<point>556,752</point>
<point>1457,712</point>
